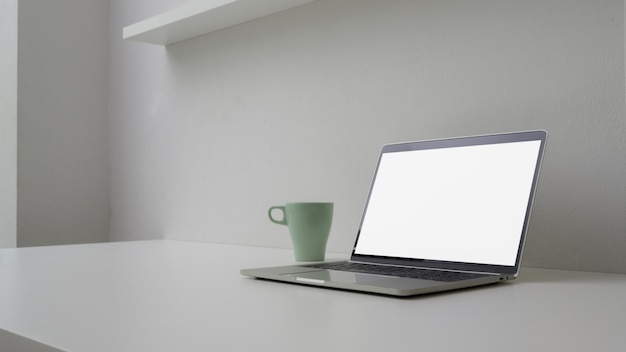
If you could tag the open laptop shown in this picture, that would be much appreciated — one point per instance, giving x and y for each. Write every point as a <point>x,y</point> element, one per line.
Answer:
<point>441,215</point>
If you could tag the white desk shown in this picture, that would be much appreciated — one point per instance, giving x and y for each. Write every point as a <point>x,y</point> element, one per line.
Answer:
<point>186,296</point>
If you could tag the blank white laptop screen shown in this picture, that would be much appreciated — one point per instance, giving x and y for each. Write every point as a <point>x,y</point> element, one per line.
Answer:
<point>460,204</point>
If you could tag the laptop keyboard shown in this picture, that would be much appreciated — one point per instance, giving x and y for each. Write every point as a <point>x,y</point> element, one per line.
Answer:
<point>416,273</point>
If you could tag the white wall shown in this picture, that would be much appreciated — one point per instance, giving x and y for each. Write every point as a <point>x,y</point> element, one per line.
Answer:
<point>207,134</point>
<point>8,123</point>
<point>62,130</point>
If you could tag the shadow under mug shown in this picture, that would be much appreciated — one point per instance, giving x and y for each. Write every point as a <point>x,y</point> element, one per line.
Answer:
<point>309,226</point>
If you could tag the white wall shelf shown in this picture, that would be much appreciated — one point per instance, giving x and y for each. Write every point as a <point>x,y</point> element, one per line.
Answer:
<point>202,17</point>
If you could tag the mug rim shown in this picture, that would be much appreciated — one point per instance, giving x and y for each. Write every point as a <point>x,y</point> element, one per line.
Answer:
<point>316,203</point>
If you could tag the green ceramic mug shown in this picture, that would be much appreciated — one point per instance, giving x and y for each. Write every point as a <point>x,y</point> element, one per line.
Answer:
<point>309,227</point>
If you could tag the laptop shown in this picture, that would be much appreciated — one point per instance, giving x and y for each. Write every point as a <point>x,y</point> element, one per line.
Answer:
<point>441,215</point>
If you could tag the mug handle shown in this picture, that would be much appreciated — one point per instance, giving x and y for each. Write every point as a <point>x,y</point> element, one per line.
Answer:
<point>284,219</point>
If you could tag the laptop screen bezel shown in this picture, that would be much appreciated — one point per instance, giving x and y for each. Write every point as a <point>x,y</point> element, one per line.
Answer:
<point>538,135</point>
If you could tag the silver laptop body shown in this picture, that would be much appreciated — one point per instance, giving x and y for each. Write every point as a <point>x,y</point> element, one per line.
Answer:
<point>458,208</point>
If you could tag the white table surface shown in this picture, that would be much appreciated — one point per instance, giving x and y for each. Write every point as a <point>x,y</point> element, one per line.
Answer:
<point>189,296</point>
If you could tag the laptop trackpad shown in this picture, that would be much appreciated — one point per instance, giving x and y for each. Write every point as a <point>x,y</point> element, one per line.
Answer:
<point>322,276</point>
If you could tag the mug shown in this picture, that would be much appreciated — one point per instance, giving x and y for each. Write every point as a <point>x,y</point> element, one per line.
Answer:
<point>309,226</point>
